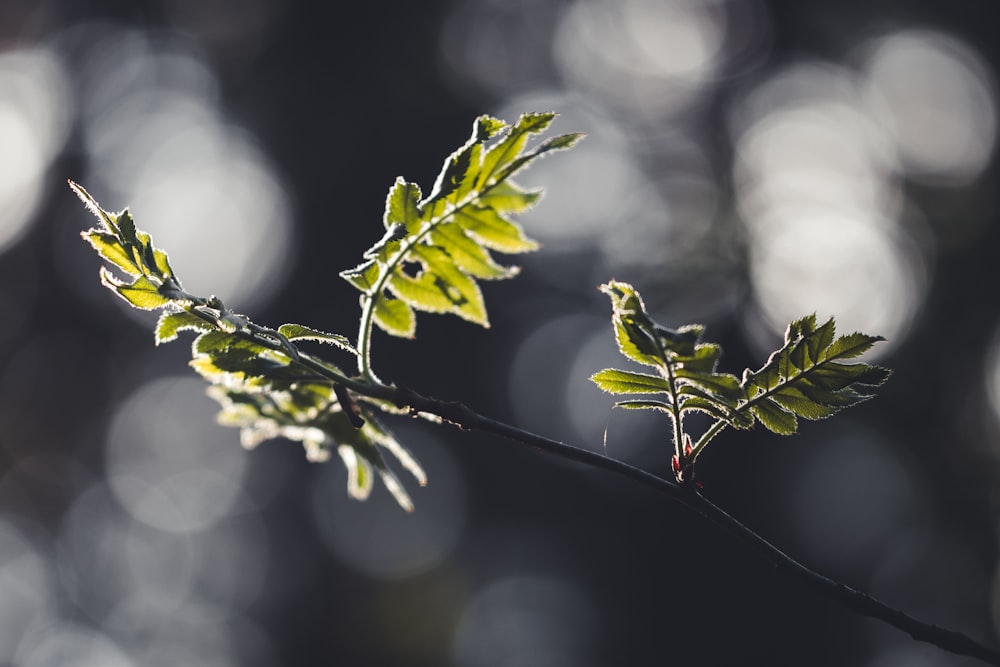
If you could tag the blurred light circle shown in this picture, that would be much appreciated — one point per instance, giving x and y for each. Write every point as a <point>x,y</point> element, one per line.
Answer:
<point>168,463</point>
<point>649,57</point>
<point>838,265</point>
<point>991,372</point>
<point>90,552</point>
<point>26,595</point>
<point>208,196</point>
<point>591,411</point>
<point>937,97</point>
<point>197,633</point>
<point>502,47</point>
<point>816,189</point>
<point>162,567</point>
<point>908,654</point>
<point>234,29</point>
<point>36,108</point>
<point>231,561</point>
<point>159,140</point>
<point>526,619</point>
<point>376,536</point>
<point>540,374</point>
<point>69,644</point>
<point>856,504</point>
<point>822,154</point>
<point>588,194</point>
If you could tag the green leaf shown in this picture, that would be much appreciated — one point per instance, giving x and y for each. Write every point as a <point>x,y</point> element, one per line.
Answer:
<point>504,153</point>
<point>556,143</point>
<point>440,287</point>
<point>126,226</point>
<point>634,330</point>
<point>131,251</point>
<point>723,385</point>
<point>141,293</point>
<point>308,413</point>
<point>459,287</point>
<point>805,377</point>
<point>628,382</point>
<point>719,411</point>
<point>172,323</point>
<point>108,246</point>
<point>798,403</point>
<point>852,345</point>
<point>423,292</point>
<point>107,224</point>
<point>687,376</point>
<point>639,404</point>
<point>436,249</point>
<point>458,174</point>
<point>468,254</point>
<point>507,196</point>
<point>294,332</point>
<point>360,478</point>
<point>775,418</point>
<point>492,230</point>
<point>395,317</point>
<point>258,375</point>
<point>402,206</point>
<point>364,276</point>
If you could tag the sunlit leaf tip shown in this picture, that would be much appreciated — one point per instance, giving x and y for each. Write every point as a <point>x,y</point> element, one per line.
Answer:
<point>92,205</point>
<point>812,376</point>
<point>438,246</point>
<point>809,377</point>
<point>150,282</point>
<point>686,379</point>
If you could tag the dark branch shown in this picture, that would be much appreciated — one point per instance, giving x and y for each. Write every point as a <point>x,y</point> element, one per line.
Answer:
<point>688,495</point>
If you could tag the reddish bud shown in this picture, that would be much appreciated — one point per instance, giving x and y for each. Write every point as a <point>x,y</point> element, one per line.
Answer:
<point>688,449</point>
<point>675,463</point>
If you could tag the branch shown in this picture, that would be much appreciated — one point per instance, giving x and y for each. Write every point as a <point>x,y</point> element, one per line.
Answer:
<point>466,419</point>
<point>151,285</point>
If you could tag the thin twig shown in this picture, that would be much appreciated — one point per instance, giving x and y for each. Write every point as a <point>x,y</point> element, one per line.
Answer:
<point>688,495</point>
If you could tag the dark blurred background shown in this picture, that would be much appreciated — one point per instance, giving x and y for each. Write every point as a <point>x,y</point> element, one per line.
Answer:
<point>748,162</point>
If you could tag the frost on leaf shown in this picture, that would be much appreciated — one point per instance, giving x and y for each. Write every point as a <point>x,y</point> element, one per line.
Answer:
<point>811,376</point>
<point>436,248</point>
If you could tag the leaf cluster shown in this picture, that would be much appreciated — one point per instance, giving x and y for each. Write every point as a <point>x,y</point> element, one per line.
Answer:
<point>267,386</point>
<point>437,247</point>
<point>809,377</point>
<point>434,250</point>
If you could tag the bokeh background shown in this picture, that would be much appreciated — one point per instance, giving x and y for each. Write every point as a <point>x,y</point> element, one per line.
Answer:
<point>748,162</point>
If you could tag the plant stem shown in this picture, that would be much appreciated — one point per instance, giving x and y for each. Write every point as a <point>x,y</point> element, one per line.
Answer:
<point>370,298</point>
<point>364,342</point>
<point>688,495</point>
<point>675,408</point>
<point>706,438</point>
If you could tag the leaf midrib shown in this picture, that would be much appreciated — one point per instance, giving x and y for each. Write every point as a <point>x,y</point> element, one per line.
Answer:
<point>786,383</point>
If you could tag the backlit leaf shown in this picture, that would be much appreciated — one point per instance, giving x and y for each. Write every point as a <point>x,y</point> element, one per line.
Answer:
<point>807,378</point>
<point>395,317</point>
<point>294,332</point>
<point>141,293</point>
<point>437,248</point>
<point>170,324</point>
<point>775,418</point>
<point>628,382</point>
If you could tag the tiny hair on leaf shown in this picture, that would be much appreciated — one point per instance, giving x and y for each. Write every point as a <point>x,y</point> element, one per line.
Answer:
<point>437,247</point>
<point>266,386</point>
<point>806,378</point>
